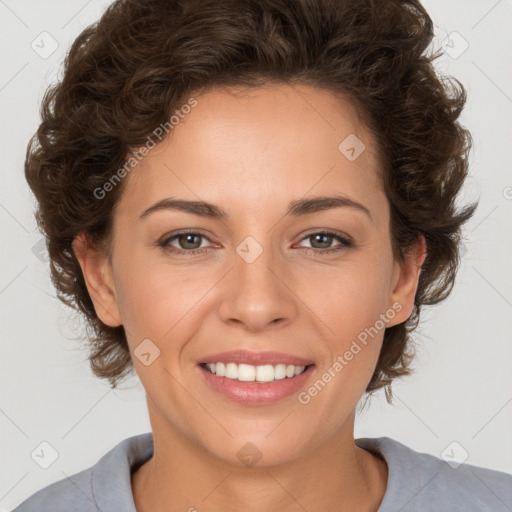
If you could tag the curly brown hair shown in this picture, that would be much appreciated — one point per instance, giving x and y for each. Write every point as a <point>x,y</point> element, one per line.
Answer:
<point>126,73</point>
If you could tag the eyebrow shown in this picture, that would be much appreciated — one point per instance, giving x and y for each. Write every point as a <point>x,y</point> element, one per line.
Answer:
<point>295,208</point>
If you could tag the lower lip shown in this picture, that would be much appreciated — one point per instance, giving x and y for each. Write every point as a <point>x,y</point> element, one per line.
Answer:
<point>257,393</point>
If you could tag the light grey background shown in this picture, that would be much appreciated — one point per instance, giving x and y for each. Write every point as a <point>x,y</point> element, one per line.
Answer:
<point>462,389</point>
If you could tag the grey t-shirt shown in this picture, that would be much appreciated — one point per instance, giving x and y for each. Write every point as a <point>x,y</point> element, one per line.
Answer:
<point>416,482</point>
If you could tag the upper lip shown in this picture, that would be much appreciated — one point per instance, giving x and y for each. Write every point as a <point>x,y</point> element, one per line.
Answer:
<point>255,358</point>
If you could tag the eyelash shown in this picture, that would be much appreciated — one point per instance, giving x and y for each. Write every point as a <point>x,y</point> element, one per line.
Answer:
<point>345,243</point>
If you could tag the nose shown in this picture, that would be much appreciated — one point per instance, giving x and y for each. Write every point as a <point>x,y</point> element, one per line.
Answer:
<point>257,293</point>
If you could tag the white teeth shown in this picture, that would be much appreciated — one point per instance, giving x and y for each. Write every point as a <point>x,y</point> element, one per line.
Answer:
<point>279,371</point>
<point>220,369</point>
<point>250,373</point>
<point>246,372</point>
<point>290,371</point>
<point>265,373</point>
<point>299,370</point>
<point>231,371</point>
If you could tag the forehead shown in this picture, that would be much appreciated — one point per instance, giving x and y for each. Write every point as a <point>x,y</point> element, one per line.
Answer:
<point>258,147</point>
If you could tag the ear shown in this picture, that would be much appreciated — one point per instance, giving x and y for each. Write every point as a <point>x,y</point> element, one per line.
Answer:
<point>405,280</point>
<point>98,275</point>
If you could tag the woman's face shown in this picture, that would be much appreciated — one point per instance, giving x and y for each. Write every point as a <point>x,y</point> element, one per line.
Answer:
<point>261,281</point>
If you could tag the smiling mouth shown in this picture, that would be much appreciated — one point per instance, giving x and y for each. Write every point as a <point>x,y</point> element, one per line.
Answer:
<point>249,373</point>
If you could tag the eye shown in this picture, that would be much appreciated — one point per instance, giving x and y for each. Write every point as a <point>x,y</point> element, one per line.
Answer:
<point>324,240</point>
<point>188,243</point>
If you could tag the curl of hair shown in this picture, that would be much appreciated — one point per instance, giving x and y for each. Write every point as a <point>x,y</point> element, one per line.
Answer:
<point>126,73</point>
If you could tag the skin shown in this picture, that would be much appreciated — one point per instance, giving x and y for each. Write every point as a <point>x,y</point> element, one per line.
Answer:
<point>252,154</point>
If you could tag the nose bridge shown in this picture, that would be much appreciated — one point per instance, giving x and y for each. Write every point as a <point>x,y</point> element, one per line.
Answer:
<point>255,261</point>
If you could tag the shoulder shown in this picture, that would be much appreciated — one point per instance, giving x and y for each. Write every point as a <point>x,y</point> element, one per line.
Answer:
<point>423,482</point>
<point>71,493</point>
<point>106,486</point>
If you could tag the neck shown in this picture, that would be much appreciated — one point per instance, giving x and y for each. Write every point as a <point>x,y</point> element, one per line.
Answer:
<point>181,475</point>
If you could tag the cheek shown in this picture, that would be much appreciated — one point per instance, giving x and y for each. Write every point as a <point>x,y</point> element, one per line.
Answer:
<point>349,301</point>
<point>349,297</point>
<point>156,301</point>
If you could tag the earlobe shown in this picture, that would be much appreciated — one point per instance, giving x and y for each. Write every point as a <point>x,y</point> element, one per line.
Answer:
<point>97,272</point>
<point>405,280</point>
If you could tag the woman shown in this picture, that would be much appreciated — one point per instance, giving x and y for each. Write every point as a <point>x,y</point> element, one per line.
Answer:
<point>250,202</point>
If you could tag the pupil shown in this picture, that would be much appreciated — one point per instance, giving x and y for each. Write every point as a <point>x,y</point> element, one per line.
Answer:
<point>187,237</point>
<point>327,237</point>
